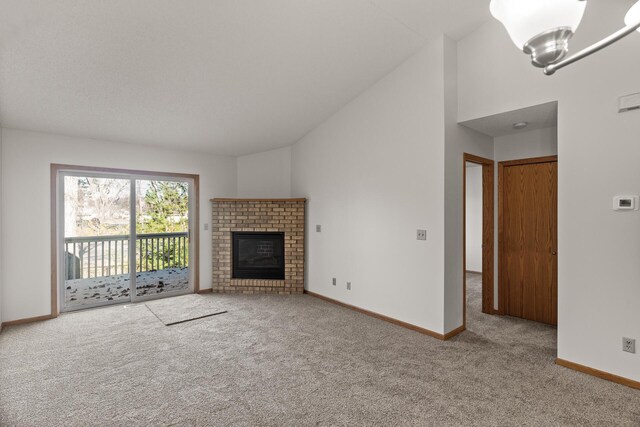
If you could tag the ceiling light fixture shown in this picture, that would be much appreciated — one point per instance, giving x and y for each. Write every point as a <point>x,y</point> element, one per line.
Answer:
<point>520,125</point>
<point>633,15</point>
<point>543,28</point>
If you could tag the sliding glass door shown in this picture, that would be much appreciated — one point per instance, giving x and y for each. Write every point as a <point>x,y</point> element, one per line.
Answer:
<point>124,238</point>
<point>97,232</point>
<point>162,242</point>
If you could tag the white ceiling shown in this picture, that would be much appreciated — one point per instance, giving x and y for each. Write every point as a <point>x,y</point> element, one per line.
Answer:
<point>223,76</point>
<point>537,116</point>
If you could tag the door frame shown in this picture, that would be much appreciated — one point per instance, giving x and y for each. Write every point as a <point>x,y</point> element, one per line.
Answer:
<point>57,215</point>
<point>501,252</point>
<point>488,232</point>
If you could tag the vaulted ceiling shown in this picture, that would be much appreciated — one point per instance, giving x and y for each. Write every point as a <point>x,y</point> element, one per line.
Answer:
<point>222,76</point>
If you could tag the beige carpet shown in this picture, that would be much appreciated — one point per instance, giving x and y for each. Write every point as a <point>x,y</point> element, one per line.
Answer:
<point>185,308</point>
<point>293,361</point>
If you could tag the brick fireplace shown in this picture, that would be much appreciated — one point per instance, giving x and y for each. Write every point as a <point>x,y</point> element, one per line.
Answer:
<point>237,222</point>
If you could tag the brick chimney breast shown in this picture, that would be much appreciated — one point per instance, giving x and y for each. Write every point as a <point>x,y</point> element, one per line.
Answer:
<point>258,215</point>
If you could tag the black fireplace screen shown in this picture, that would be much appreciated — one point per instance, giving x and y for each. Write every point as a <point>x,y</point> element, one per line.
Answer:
<point>258,255</point>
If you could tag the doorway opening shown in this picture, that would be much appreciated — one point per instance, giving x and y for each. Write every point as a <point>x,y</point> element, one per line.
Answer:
<point>478,226</point>
<point>121,236</point>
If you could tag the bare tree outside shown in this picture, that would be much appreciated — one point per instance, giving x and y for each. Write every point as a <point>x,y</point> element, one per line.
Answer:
<point>96,206</point>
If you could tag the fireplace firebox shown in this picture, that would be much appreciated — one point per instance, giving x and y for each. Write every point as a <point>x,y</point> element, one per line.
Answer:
<point>258,255</point>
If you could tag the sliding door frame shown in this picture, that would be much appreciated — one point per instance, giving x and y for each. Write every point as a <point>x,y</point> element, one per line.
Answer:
<point>57,229</point>
<point>62,234</point>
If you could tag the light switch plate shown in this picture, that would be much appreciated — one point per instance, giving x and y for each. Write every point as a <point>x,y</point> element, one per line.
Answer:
<point>422,235</point>
<point>318,228</point>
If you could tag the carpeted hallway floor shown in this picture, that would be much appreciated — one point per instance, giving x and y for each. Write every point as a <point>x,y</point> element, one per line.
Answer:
<point>293,361</point>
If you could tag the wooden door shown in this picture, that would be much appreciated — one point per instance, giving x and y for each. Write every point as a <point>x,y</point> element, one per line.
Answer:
<point>528,239</point>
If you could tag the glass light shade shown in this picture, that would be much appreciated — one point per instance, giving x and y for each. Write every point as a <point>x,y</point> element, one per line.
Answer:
<point>525,19</point>
<point>633,16</point>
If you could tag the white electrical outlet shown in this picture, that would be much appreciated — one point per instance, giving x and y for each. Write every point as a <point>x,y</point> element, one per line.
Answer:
<point>348,286</point>
<point>334,281</point>
<point>421,235</point>
<point>318,228</point>
<point>629,345</point>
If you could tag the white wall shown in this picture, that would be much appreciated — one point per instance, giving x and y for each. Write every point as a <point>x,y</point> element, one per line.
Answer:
<point>474,218</point>
<point>373,173</point>
<point>458,140</point>
<point>265,175</point>
<point>25,210</point>
<point>1,233</point>
<point>598,150</point>
<point>523,145</point>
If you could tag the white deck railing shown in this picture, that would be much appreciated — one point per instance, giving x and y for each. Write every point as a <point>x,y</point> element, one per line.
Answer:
<point>99,256</point>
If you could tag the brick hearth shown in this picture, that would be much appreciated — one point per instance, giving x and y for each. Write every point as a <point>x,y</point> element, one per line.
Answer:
<point>258,215</point>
